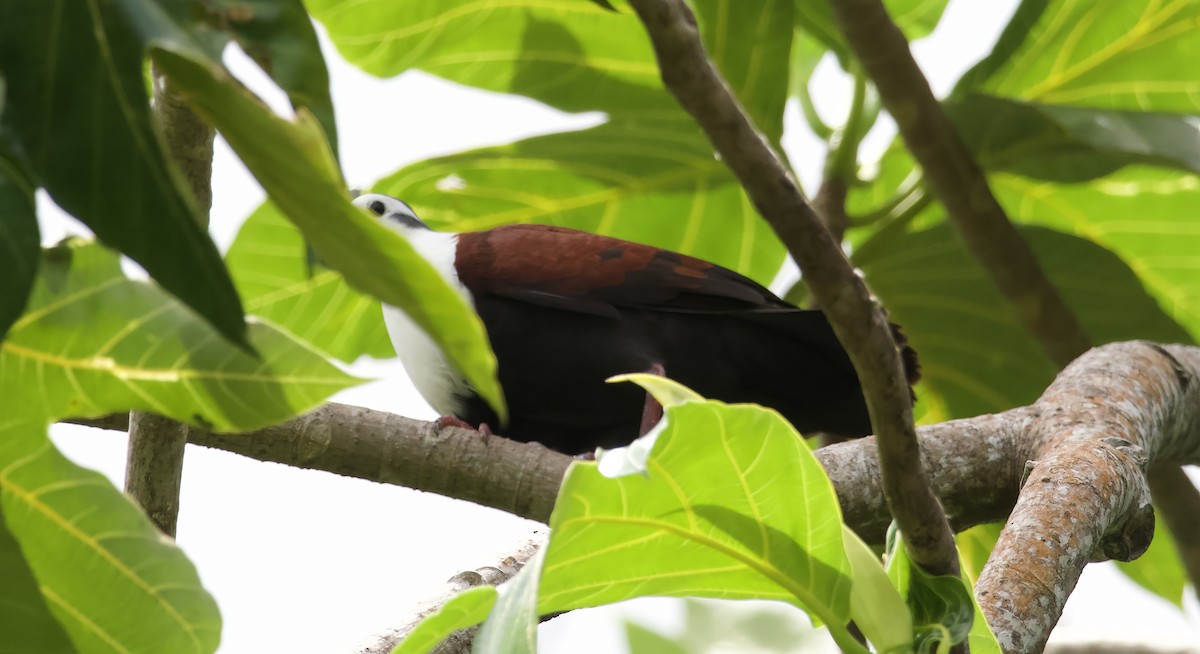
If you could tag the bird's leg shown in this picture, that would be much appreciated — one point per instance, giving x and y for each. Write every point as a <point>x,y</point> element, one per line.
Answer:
<point>652,411</point>
<point>453,421</point>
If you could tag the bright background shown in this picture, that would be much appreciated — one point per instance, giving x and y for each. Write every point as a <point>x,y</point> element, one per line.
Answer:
<point>303,561</point>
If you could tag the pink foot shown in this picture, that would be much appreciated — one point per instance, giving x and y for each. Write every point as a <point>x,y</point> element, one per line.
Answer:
<point>452,421</point>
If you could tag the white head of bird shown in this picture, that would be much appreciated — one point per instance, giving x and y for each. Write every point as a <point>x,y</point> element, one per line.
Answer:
<point>434,378</point>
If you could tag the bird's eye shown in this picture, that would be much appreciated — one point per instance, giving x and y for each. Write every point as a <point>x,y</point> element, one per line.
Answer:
<point>377,207</point>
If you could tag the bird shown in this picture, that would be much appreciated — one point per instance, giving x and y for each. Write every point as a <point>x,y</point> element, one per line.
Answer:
<point>564,310</point>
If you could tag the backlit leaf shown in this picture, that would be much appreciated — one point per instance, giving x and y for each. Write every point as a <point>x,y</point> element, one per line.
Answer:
<point>19,247</point>
<point>465,609</point>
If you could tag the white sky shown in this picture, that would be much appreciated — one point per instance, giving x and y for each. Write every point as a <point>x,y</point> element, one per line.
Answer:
<point>309,562</point>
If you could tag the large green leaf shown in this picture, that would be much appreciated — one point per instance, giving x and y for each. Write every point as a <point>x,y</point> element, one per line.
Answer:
<point>1111,54</point>
<point>572,55</point>
<point>77,104</point>
<point>732,504</point>
<point>29,625</point>
<point>293,163</point>
<point>974,355</point>
<point>750,41</point>
<point>1071,144</point>
<point>279,36</point>
<point>916,18</point>
<point>1146,216</point>
<point>19,247</point>
<point>269,264</point>
<point>511,627</point>
<point>654,182</point>
<point>105,572</point>
<point>93,342</point>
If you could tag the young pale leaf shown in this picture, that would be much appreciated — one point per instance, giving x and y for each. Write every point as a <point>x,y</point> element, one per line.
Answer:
<point>875,604</point>
<point>114,583</point>
<point>1140,57</point>
<point>19,247</point>
<point>928,281</point>
<point>975,545</point>
<point>733,505</point>
<point>1070,144</point>
<point>271,271</point>
<point>28,624</point>
<point>93,342</point>
<point>465,609</point>
<point>77,104</point>
<point>652,181</point>
<point>293,163</point>
<point>511,628</point>
<point>279,36</point>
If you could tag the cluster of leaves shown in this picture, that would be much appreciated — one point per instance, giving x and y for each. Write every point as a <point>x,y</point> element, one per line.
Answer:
<point>1081,117</point>
<point>719,501</point>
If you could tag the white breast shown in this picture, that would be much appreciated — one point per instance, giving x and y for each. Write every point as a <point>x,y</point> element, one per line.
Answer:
<point>441,386</point>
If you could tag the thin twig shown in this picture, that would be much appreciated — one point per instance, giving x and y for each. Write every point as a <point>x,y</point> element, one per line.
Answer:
<point>154,466</point>
<point>860,324</point>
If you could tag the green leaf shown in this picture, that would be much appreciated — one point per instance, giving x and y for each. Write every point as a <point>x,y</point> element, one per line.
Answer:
<point>916,18</point>
<point>19,239</point>
<point>1127,54</point>
<point>93,342</point>
<point>1146,216</point>
<point>279,36</point>
<point>1069,144</point>
<point>271,270</point>
<point>974,355</point>
<point>732,505</point>
<point>642,640</point>
<point>511,628</point>
<point>293,163</point>
<point>751,42</point>
<point>875,604</point>
<point>114,583</point>
<point>975,546</point>
<point>77,105</point>
<point>569,54</point>
<point>465,609</point>
<point>943,608</point>
<point>1159,570</point>
<point>29,625</point>
<point>649,181</point>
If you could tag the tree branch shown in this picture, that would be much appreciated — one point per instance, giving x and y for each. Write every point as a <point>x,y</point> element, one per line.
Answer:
<point>154,466</point>
<point>956,180</point>
<point>859,323</point>
<point>459,642</point>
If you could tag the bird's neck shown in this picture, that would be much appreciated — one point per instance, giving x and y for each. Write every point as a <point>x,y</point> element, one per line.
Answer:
<point>439,249</point>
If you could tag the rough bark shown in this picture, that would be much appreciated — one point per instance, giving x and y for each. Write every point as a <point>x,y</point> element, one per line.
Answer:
<point>860,324</point>
<point>154,466</point>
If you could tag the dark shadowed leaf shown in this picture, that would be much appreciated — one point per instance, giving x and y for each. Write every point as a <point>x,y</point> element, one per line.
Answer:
<point>1159,570</point>
<point>1146,216</point>
<point>653,182</point>
<point>1069,144</point>
<point>19,247</point>
<point>94,342</point>
<point>114,583</point>
<point>77,105</point>
<point>279,36</point>
<point>270,268</point>
<point>28,624</point>
<point>293,163</point>
<point>974,356</point>
<point>1135,55</point>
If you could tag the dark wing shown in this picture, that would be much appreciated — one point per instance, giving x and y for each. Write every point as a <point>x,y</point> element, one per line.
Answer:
<point>577,271</point>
